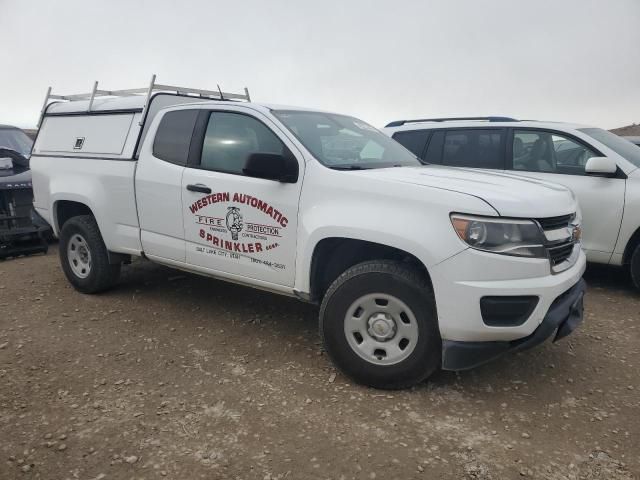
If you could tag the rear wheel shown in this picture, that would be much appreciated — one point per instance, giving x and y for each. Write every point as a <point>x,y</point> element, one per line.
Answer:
<point>379,325</point>
<point>84,256</point>
<point>635,267</point>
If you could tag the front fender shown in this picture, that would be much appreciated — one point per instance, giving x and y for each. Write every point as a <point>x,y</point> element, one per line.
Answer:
<point>413,219</point>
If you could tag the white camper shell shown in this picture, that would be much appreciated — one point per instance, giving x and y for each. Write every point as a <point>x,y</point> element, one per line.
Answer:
<point>111,124</point>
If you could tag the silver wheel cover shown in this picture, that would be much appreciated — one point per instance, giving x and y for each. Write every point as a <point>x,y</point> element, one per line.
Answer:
<point>381,329</point>
<point>79,256</point>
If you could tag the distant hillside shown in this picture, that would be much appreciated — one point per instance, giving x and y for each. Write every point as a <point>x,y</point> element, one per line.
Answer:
<point>628,131</point>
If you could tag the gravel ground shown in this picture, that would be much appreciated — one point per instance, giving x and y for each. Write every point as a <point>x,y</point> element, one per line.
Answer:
<point>177,376</point>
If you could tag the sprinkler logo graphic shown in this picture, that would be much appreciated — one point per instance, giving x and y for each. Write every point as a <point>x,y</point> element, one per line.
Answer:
<point>234,221</point>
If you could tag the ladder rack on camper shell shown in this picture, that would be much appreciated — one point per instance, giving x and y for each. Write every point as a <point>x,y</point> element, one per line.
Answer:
<point>147,91</point>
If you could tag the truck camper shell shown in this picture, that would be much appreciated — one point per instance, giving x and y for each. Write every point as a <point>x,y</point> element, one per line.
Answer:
<point>75,125</point>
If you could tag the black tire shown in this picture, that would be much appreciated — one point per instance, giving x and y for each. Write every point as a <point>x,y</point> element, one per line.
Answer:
<point>101,275</point>
<point>635,267</point>
<point>389,278</point>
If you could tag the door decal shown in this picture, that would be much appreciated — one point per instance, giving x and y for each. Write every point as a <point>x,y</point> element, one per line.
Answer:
<point>234,221</point>
<point>239,227</point>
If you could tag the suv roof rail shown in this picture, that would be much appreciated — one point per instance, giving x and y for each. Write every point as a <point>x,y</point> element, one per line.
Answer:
<point>398,123</point>
<point>147,91</point>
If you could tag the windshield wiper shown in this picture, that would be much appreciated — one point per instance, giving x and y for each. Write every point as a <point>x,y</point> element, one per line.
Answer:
<point>360,167</point>
<point>348,167</point>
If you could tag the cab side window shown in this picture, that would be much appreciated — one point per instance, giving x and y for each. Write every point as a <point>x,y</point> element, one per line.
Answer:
<point>230,139</point>
<point>476,148</point>
<point>173,137</point>
<point>551,152</point>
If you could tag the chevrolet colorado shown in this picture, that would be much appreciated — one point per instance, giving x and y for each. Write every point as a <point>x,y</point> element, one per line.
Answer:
<point>414,267</point>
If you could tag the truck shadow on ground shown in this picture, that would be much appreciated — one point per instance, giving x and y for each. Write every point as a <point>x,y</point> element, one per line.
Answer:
<point>616,279</point>
<point>289,320</point>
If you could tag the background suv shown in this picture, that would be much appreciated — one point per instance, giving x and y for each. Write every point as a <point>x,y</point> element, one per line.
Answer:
<point>600,167</point>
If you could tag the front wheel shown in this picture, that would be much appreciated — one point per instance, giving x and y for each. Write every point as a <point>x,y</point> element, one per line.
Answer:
<point>379,324</point>
<point>84,256</point>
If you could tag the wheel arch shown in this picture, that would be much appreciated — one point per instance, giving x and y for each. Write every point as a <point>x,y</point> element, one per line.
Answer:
<point>64,210</point>
<point>633,242</point>
<point>333,255</point>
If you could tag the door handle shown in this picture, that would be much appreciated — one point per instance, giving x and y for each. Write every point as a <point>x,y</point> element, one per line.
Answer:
<point>198,187</point>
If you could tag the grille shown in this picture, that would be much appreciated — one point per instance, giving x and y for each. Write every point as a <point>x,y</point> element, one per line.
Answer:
<point>553,223</point>
<point>559,253</point>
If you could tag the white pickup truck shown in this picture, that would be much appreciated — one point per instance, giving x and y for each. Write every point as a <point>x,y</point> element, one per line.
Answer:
<point>415,267</point>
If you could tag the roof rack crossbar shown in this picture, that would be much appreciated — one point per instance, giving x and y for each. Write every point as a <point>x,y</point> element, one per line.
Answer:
<point>44,106</point>
<point>148,91</point>
<point>148,99</point>
<point>99,93</point>
<point>398,123</point>
<point>93,95</point>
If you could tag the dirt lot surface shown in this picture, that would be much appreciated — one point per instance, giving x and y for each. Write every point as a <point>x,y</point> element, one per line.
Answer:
<point>176,376</point>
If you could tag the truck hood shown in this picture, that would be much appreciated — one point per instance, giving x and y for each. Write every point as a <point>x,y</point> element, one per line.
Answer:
<point>509,194</point>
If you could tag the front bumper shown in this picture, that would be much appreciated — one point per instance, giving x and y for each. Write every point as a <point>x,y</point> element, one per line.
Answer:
<point>462,281</point>
<point>25,239</point>
<point>24,242</point>
<point>564,315</point>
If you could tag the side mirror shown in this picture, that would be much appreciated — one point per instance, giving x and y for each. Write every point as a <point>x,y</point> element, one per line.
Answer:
<point>272,166</point>
<point>17,158</point>
<point>600,166</point>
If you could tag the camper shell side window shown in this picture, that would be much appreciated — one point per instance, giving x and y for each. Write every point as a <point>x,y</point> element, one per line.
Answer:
<point>173,136</point>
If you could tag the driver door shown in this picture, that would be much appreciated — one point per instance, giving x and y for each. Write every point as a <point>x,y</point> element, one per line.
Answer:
<point>239,226</point>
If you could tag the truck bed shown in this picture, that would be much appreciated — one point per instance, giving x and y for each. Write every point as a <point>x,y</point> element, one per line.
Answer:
<point>107,185</point>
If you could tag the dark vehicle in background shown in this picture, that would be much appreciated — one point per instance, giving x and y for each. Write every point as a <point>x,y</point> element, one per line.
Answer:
<point>22,230</point>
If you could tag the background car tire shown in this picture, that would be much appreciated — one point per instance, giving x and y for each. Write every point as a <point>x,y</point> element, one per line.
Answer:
<point>99,275</point>
<point>635,267</point>
<point>396,280</point>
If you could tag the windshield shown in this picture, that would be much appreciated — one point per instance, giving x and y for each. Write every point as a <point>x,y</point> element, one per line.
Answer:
<point>618,144</point>
<point>343,142</point>
<point>15,139</point>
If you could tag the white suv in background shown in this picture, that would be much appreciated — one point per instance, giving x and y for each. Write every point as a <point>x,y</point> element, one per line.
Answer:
<point>600,167</point>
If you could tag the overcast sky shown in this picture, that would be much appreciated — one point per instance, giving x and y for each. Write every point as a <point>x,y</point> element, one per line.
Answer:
<point>566,60</point>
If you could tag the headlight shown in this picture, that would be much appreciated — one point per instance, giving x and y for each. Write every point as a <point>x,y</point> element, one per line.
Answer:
<point>522,238</point>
